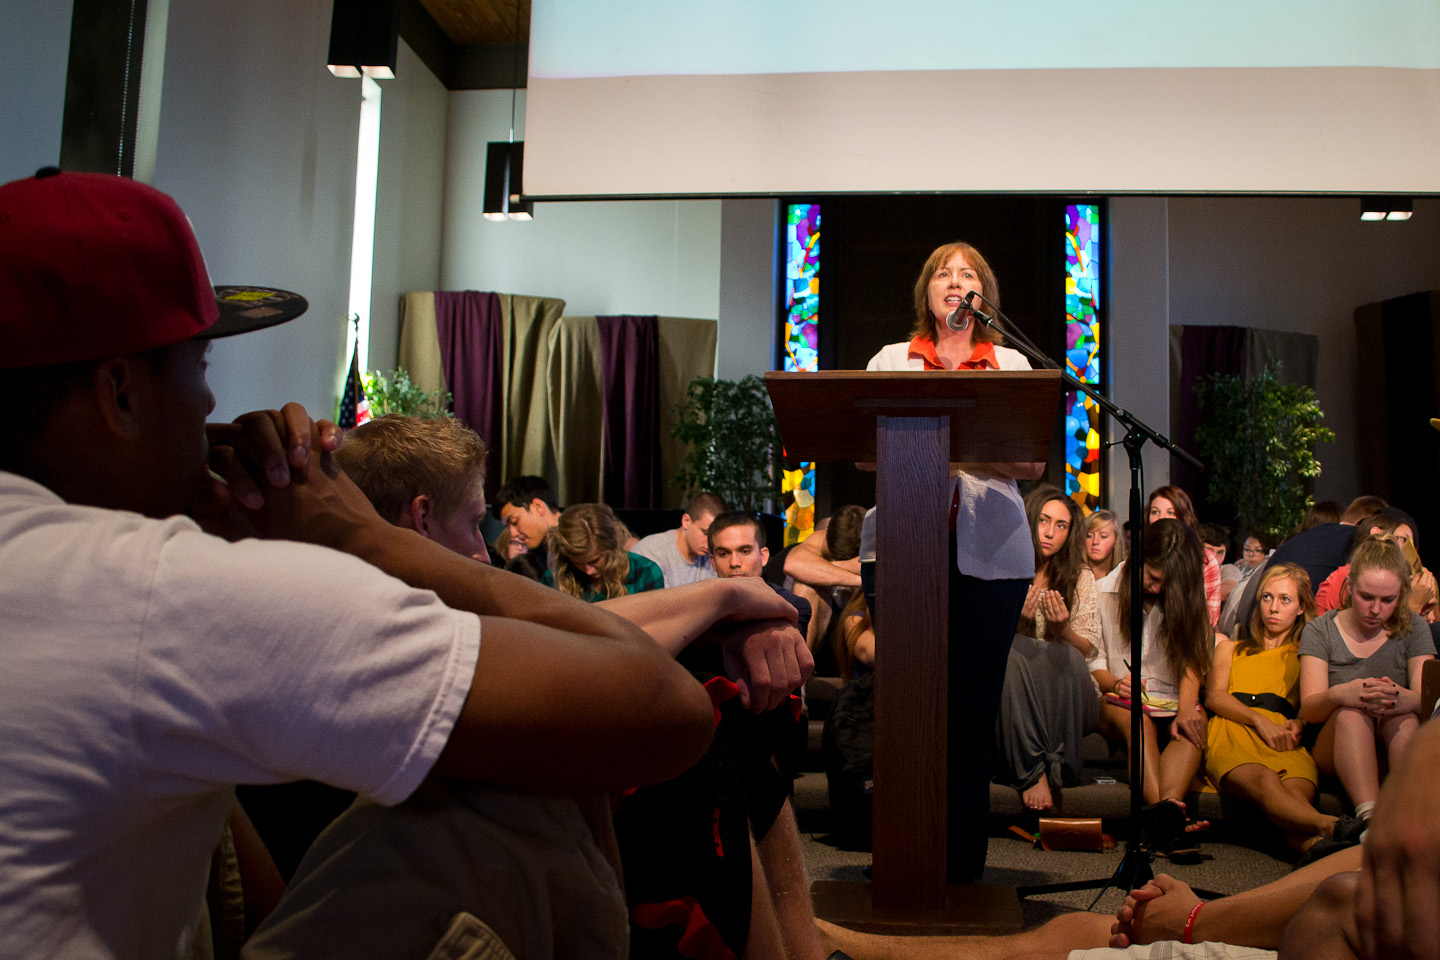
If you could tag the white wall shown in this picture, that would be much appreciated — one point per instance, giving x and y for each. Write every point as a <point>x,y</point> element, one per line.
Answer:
<point>601,257</point>
<point>257,143</point>
<point>749,279</point>
<point>34,55</point>
<point>1138,344</point>
<point>1301,265</point>
<point>410,200</point>
<point>1293,264</point>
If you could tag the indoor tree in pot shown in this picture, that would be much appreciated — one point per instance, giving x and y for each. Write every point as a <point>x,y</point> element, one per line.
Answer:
<point>734,444</point>
<point>1258,437</point>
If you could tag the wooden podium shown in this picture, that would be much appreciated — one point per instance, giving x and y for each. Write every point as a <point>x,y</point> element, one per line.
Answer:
<point>913,426</point>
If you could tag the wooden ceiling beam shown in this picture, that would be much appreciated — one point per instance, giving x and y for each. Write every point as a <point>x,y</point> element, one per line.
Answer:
<point>480,21</point>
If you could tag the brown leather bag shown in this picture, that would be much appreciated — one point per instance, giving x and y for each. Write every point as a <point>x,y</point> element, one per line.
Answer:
<point>1062,833</point>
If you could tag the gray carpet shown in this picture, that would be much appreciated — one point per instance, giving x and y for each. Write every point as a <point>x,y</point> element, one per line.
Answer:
<point>1233,867</point>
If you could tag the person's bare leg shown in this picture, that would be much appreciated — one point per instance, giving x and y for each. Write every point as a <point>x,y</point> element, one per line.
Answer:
<point>1304,791</point>
<point>1396,733</point>
<point>1178,766</point>
<point>764,942</point>
<point>1287,806</point>
<point>1115,724</point>
<point>1324,927</point>
<point>1152,760</point>
<point>1070,931</point>
<point>1355,759</point>
<point>783,861</point>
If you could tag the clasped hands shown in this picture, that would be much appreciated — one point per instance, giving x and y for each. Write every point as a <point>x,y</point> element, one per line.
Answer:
<point>1156,911</point>
<point>254,456</point>
<point>1280,736</point>
<point>1379,697</point>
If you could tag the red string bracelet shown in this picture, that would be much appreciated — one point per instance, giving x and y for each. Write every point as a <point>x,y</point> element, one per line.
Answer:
<point>1190,922</point>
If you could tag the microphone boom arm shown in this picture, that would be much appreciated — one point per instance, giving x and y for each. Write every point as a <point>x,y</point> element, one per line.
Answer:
<point>1022,342</point>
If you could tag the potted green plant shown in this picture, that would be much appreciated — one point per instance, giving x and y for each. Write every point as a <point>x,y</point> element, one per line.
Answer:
<point>734,444</point>
<point>396,394</point>
<point>1258,437</point>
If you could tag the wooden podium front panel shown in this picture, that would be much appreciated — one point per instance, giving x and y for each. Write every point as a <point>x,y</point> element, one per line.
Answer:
<point>912,425</point>
<point>832,415</point>
<point>911,659</point>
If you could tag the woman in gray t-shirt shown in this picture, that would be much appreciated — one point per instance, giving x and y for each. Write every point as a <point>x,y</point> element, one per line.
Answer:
<point>1360,673</point>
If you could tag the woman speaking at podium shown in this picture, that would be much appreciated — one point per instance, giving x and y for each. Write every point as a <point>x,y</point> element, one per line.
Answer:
<point>992,558</point>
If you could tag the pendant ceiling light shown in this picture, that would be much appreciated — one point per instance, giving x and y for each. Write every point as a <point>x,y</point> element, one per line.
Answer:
<point>504,159</point>
<point>363,38</point>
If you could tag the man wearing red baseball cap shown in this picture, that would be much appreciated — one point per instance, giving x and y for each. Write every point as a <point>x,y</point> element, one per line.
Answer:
<point>147,666</point>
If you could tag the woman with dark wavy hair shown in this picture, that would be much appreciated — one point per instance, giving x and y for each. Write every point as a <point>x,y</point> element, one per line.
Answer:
<point>1176,647</point>
<point>1049,704</point>
<point>1171,501</point>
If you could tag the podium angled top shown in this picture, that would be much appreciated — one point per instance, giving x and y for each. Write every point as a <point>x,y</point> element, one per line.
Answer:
<point>995,415</point>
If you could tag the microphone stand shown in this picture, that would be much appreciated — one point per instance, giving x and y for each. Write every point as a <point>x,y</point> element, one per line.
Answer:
<point>1134,869</point>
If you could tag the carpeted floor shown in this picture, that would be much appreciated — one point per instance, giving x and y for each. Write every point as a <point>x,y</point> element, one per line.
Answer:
<point>1230,868</point>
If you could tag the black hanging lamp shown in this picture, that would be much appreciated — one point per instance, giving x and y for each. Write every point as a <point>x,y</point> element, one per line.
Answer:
<point>504,159</point>
<point>364,35</point>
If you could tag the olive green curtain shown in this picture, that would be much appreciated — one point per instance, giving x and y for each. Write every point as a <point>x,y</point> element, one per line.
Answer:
<point>686,350</point>
<point>575,408</point>
<point>553,420</point>
<point>524,443</point>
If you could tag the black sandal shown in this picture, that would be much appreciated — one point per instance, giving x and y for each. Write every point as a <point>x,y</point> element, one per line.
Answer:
<point>1162,823</point>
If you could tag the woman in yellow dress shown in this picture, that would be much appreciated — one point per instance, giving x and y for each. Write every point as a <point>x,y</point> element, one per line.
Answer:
<point>1252,746</point>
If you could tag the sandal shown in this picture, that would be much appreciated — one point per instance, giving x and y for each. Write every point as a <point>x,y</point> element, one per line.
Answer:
<point>1320,849</point>
<point>1162,823</point>
<point>1349,829</point>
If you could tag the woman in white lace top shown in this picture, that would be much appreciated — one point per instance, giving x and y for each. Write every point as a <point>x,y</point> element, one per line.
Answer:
<point>1050,701</point>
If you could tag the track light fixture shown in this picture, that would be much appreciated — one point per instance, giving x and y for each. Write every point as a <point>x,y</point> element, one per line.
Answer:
<point>1386,208</point>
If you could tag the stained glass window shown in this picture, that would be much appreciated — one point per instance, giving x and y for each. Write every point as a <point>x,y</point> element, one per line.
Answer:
<point>802,323</point>
<point>1082,352</point>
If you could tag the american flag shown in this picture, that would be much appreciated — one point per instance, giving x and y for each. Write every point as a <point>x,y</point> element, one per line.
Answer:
<point>354,408</point>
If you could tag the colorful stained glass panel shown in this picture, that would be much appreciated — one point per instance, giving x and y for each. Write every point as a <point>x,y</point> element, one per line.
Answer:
<point>1082,352</point>
<point>802,323</point>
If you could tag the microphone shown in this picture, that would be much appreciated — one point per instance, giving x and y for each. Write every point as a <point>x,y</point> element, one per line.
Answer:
<point>982,317</point>
<point>953,319</point>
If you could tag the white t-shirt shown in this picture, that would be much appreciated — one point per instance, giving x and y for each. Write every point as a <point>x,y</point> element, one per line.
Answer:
<point>146,667</point>
<point>992,536</point>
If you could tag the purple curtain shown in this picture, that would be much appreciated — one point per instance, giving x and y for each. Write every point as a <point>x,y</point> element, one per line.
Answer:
<point>468,325</point>
<point>1203,351</point>
<point>630,386</point>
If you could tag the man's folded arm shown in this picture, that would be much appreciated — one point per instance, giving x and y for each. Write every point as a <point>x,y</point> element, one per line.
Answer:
<point>562,712</point>
<point>567,697</point>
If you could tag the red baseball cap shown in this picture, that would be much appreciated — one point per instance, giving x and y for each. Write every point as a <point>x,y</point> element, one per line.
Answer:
<point>94,265</point>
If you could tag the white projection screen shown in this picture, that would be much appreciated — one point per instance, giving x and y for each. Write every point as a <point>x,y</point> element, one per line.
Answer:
<point>768,97</point>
